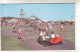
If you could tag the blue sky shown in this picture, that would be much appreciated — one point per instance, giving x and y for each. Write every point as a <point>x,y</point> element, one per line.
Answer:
<point>51,12</point>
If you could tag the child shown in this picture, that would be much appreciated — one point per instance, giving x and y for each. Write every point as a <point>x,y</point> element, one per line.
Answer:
<point>53,35</point>
<point>42,34</point>
<point>62,27</point>
<point>20,31</point>
<point>46,26</point>
<point>14,28</point>
<point>49,26</point>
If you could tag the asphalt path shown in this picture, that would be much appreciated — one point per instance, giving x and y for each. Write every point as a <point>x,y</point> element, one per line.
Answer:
<point>34,45</point>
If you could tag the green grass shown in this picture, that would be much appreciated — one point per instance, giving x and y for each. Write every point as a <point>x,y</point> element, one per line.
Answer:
<point>12,43</point>
<point>5,28</point>
<point>69,33</point>
<point>31,37</point>
<point>28,28</point>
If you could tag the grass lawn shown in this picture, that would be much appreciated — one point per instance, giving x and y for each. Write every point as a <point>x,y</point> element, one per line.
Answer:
<point>28,28</point>
<point>5,28</point>
<point>68,33</point>
<point>31,37</point>
<point>12,43</point>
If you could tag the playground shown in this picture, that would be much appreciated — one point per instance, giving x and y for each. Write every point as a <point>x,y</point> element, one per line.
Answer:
<point>9,39</point>
<point>32,33</point>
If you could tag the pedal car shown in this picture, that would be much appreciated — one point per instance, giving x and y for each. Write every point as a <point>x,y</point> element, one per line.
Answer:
<point>57,40</point>
<point>49,41</point>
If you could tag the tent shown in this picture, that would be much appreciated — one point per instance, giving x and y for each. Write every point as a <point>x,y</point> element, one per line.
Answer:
<point>12,21</point>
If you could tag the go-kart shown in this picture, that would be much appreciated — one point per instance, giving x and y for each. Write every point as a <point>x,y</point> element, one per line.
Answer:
<point>49,41</point>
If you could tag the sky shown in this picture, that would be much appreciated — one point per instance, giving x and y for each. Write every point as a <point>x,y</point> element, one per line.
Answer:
<point>50,12</point>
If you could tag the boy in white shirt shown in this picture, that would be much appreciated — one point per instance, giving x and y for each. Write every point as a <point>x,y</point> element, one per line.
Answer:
<point>53,35</point>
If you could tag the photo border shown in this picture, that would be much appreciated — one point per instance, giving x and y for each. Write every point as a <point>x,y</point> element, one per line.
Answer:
<point>77,18</point>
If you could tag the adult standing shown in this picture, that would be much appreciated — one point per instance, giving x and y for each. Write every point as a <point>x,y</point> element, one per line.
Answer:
<point>49,27</point>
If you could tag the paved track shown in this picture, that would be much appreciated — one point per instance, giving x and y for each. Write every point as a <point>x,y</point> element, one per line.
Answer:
<point>34,45</point>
